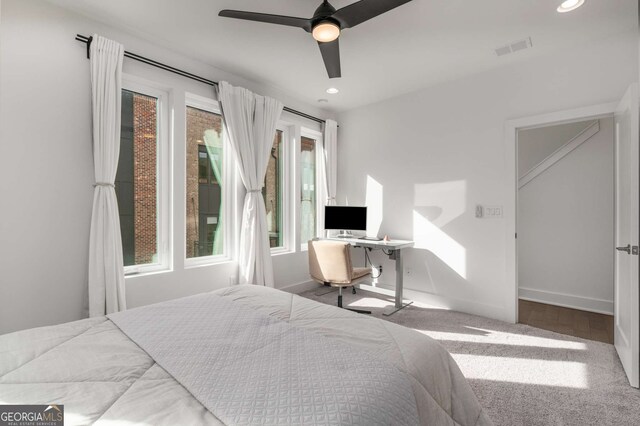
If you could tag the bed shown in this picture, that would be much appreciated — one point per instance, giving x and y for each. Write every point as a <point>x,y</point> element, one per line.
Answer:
<point>239,355</point>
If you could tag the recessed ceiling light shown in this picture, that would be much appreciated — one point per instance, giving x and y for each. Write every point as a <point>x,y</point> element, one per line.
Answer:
<point>322,101</point>
<point>332,90</point>
<point>569,5</point>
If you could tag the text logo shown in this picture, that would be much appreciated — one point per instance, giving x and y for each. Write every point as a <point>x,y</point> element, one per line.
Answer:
<point>32,415</point>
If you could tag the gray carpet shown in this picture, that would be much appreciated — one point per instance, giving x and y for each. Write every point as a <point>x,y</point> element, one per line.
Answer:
<point>521,375</point>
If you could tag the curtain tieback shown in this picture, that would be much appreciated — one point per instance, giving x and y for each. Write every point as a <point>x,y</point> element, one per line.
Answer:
<point>254,190</point>
<point>104,184</point>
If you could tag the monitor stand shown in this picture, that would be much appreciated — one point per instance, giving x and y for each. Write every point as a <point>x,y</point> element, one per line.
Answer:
<point>345,234</point>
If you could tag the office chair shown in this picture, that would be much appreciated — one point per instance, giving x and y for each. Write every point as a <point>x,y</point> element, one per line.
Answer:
<point>330,264</point>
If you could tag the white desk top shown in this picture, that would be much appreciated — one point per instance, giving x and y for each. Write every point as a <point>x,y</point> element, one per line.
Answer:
<point>391,244</point>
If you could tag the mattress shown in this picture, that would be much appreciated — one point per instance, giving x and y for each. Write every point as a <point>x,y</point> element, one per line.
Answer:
<point>103,377</point>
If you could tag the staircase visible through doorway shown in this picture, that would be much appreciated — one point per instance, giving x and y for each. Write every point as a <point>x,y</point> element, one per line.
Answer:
<point>573,322</point>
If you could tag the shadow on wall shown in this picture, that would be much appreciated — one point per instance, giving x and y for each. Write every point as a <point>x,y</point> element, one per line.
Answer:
<point>429,236</point>
<point>440,249</point>
<point>436,253</point>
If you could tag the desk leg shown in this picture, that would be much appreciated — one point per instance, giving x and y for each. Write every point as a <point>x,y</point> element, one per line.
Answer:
<point>399,303</point>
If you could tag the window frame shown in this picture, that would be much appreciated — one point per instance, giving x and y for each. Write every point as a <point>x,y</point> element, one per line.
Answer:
<point>319,185</point>
<point>226,190</point>
<point>286,189</point>
<point>164,175</point>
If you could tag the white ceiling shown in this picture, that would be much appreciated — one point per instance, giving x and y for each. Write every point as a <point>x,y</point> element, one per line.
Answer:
<point>413,46</point>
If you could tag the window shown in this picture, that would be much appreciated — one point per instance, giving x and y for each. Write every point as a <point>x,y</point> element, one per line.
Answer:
<point>308,193</point>
<point>273,192</point>
<point>205,177</point>
<point>139,190</point>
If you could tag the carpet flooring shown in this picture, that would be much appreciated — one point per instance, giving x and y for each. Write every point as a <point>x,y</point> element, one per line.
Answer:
<point>521,375</point>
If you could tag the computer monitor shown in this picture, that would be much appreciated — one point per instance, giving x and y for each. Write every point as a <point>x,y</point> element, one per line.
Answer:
<point>345,218</point>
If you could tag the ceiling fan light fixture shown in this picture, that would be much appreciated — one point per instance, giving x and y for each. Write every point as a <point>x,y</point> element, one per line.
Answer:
<point>326,24</point>
<point>326,31</point>
<point>569,5</point>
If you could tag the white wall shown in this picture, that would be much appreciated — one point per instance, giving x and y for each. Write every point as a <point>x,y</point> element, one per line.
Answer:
<point>566,224</point>
<point>534,145</point>
<point>423,160</point>
<point>46,171</point>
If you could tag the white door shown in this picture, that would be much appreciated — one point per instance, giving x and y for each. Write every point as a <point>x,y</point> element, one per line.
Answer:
<point>627,295</point>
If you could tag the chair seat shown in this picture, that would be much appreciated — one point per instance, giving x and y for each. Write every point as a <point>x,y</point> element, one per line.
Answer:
<point>355,274</point>
<point>360,272</point>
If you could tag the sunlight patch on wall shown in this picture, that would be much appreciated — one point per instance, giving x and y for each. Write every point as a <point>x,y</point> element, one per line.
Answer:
<point>441,202</point>
<point>374,206</point>
<point>564,374</point>
<point>428,236</point>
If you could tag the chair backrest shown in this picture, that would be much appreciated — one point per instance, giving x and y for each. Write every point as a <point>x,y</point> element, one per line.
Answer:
<point>330,261</point>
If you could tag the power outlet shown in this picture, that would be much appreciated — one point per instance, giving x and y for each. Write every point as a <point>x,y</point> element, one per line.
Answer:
<point>376,270</point>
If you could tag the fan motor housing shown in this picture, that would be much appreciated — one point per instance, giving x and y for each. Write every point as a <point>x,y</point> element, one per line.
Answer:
<point>324,11</point>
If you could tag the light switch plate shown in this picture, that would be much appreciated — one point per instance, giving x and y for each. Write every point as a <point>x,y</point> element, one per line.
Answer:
<point>493,212</point>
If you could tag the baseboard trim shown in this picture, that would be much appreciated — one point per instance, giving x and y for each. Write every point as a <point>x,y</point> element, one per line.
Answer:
<point>589,304</point>
<point>300,287</point>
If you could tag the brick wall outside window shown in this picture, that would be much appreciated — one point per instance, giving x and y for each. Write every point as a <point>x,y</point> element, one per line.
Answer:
<point>271,192</point>
<point>145,148</point>
<point>197,122</point>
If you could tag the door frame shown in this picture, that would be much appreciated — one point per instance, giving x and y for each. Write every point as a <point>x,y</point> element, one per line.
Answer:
<point>511,187</point>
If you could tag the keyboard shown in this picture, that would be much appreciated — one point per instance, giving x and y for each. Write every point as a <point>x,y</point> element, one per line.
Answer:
<point>370,238</point>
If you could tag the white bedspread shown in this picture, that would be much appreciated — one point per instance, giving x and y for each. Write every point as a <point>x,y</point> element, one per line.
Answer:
<point>249,368</point>
<point>103,377</point>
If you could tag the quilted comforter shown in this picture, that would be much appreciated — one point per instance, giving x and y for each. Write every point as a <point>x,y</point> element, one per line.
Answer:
<point>103,377</point>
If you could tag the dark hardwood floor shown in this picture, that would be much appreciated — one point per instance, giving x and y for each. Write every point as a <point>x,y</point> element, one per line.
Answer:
<point>573,322</point>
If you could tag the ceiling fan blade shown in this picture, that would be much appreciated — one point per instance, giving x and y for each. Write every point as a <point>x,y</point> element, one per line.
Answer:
<point>291,21</point>
<point>331,57</point>
<point>363,10</point>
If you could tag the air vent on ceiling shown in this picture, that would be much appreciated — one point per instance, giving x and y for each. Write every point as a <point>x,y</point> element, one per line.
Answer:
<point>514,47</point>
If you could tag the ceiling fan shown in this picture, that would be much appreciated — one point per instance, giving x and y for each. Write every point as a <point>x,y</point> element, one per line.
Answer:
<point>326,24</point>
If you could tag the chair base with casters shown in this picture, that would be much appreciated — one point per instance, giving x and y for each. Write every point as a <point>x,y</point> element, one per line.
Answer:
<point>353,290</point>
<point>322,293</point>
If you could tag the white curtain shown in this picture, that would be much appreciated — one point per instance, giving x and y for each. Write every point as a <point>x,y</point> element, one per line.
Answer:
<point>250,121</point>
<point>330,160</point>
<point>106,270</point>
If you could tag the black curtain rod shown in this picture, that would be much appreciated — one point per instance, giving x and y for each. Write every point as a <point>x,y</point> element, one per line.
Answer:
<point>186,74</point>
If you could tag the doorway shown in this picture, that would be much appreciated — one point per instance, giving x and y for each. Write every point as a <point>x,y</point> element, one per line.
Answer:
<point>626,310</point>
<point>565,227</point>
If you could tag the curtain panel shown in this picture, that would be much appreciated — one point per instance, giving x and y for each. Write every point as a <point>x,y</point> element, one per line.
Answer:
<point>106,269</point>
<point>250,122</point>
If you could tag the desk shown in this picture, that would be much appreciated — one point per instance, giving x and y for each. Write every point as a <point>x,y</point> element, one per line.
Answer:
<point>394,250</point>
